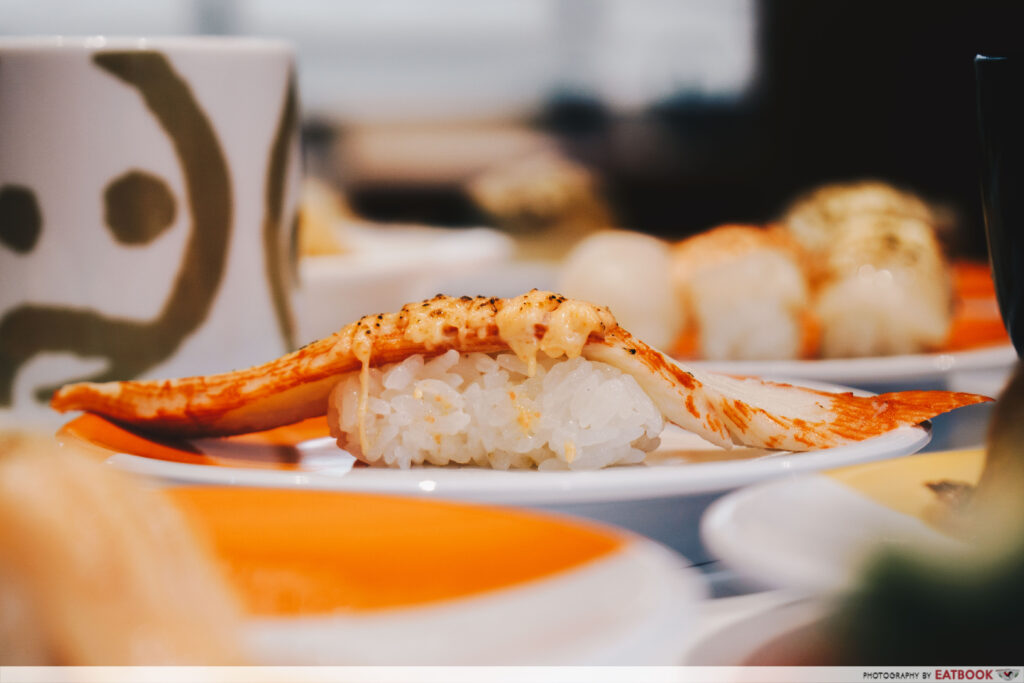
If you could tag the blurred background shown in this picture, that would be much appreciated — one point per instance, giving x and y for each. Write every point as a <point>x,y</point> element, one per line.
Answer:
<point>551,119</point>
<point>691,112</point>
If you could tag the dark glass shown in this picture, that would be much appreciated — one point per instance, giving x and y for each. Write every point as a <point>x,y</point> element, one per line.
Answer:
<point>1000,96</point>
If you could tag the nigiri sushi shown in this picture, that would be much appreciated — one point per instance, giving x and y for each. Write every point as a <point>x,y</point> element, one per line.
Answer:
<point>882,284</point>
<point>888,290</point>
<point>534,380</point>
<point>816,218</point>
<point>745,293</point>
<point>631,273</point>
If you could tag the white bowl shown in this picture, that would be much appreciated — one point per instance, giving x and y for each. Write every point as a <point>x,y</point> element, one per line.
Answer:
<point>388,267</point>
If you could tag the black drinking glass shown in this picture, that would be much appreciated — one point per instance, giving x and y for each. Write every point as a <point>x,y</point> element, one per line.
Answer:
<point>1000,98</point>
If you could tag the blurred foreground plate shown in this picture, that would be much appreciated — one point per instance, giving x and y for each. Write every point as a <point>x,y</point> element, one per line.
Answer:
<point>358,579</point>
<point>814,533</point>
<point>389,266</point>
<point>772,628</point>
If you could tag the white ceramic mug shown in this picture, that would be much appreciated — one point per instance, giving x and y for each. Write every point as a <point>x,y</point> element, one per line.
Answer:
<point>148,190</point>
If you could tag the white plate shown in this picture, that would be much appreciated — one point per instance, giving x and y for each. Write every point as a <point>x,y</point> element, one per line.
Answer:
<point>683,465</point>
<point>815,533</point>
<point>662,500</point>
<point>332,469</point>
<point>923,367</point>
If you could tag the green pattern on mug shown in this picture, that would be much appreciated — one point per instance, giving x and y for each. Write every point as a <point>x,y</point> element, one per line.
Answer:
<point>133,346</point>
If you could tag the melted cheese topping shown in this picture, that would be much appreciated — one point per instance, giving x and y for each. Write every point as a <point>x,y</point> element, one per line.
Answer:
<point>569,327</point>
<point>549,323</point>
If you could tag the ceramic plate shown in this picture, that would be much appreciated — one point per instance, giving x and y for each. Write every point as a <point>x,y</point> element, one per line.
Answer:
<point>388,267</point>
<point>915,368</point>
<point>357,579</point>
<point>815,532</point>
<point>304,456</point>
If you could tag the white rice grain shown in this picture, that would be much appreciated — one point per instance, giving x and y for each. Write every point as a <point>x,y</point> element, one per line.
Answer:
<point>484,410</point>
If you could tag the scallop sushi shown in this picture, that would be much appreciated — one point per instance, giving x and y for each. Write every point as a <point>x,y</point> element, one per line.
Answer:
<point>887,289</point>
<point>882,285</point>
<point>631,273</point>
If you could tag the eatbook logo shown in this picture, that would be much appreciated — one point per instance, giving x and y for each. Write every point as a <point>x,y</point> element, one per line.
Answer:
<point>977,674</point>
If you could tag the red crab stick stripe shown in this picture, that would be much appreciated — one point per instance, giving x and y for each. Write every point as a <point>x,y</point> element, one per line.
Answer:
<point>774,415</point>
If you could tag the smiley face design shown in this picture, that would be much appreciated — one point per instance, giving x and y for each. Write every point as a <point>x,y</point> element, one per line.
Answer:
<point>138,208</point>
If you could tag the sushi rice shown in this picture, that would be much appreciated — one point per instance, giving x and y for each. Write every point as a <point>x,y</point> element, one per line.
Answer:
<point>485,410</point>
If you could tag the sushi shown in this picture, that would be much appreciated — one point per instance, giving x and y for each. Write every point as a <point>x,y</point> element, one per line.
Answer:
<point>536,380</point>
<point>887,289</point>
<point>816,219</point>
<point>631,273</point>
<point>745,293</point>
<point>882,285</point>
<point>101,570</point>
